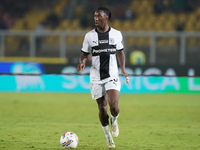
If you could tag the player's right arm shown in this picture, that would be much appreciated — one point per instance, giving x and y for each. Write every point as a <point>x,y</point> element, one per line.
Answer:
<point>85,52</point>
<point>82,61</point>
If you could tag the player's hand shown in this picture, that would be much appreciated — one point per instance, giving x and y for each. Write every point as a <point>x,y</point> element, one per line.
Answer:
<point>126,76</point>
<point>127,80</point>
<point>80,67</point>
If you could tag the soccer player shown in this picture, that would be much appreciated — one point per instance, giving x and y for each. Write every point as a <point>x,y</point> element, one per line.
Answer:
<point>105,43</point>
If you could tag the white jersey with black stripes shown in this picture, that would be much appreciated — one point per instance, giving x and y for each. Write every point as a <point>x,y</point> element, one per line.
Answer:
<point>103,47</point>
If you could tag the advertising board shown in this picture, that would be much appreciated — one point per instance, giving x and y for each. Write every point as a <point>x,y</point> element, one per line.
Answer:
<point>81,84</point>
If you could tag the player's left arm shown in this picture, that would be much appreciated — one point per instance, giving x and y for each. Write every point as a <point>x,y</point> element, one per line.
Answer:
<point>121,60</point>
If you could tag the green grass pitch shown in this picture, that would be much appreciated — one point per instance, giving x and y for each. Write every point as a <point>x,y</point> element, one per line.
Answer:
<point>146,121</point>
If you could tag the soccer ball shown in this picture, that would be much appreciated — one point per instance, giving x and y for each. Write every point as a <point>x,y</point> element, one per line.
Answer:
<point>69,140</point>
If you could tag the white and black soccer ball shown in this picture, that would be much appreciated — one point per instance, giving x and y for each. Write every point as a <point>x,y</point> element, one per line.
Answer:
<point>69,140</point>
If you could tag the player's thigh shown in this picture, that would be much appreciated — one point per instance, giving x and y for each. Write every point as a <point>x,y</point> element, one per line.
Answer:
<point>97,90</point>
<point>112,90</point>
<point>113,84</point>
<point>113,97</point>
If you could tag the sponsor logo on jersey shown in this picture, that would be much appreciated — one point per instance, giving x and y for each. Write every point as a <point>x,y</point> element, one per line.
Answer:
<point>104,50</point>
<point>94,42</point>
<point>103,41</point>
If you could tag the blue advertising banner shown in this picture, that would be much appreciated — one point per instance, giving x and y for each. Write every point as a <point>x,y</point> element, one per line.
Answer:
<point>81,84</point>
<point>21,67</point>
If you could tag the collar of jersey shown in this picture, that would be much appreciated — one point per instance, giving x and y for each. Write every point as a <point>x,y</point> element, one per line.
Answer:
<point>102,32</point>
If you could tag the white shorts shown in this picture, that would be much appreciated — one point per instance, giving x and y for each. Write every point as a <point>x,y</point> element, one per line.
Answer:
<point>99,89</point>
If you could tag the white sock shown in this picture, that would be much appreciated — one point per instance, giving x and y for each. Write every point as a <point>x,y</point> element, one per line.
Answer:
<point>114,118</point>
<point>106,129</point>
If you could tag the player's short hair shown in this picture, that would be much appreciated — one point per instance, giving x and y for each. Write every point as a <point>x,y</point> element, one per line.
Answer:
<point>106,11</point>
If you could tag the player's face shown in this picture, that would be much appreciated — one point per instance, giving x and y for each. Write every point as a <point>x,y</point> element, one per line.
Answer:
<point>100,19</point>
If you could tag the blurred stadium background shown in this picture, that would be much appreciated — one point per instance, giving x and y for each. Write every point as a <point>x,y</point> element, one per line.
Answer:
<point>162,48</point>
<point>161,37</point>
<point>164,32</point>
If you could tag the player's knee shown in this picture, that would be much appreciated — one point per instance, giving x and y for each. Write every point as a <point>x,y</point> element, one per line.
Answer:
<point>114,110</point>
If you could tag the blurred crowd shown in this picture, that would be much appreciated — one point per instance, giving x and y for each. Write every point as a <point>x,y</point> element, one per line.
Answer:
<point>85,9</point>
<point>175,6</point>
<point>11,10</point>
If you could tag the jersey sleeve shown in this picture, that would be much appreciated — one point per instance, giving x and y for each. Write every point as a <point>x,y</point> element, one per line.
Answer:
<point>120,42</point>
<point>86,47</point>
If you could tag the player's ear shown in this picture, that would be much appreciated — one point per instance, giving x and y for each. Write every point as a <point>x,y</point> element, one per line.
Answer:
<point>106,17</point>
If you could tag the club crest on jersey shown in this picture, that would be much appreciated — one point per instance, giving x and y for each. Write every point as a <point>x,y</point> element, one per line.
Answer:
<point>112,40</point>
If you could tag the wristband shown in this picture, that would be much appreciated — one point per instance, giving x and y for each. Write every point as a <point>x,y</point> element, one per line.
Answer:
<point>83,61</point>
